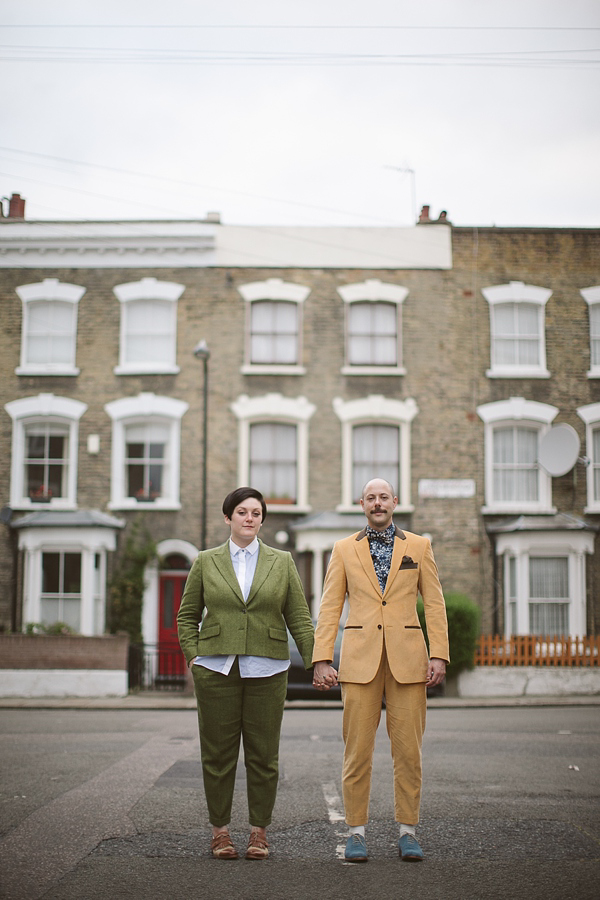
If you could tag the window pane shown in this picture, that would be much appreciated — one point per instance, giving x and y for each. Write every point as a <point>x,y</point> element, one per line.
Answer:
<point>72,573</point>
<point>51,332</point>
<point>372,334</point>
<point>273,459</point>
<point>595,333</point>
<point>50,573</point>
<point>274,332</point>
<point>149,328</point>
<point>548,578</point>
<point>516,335</point>
<point>71,610</point>
<point>50,611</point>
<point>375,454</point>
<point>135,481</point>
<point>549,619</point>
<point>515,472</point>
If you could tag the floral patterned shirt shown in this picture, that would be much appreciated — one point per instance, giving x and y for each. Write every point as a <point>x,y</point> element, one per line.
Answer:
<point>381,546</point>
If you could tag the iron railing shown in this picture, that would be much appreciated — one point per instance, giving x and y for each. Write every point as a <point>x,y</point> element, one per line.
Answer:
<point>156,667</point>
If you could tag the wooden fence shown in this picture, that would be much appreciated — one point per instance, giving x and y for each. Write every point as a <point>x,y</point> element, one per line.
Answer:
<point>532,650</point>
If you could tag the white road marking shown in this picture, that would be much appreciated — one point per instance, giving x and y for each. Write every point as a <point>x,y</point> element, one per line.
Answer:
<point>335,813</point>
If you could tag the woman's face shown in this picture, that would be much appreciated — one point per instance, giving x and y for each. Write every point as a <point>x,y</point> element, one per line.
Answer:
<point>245,522</point>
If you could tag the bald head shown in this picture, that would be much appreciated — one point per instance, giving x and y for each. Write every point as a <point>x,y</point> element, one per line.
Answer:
<point>378,502</point>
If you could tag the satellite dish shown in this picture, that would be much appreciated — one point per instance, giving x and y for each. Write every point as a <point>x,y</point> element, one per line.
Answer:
<point>559,450</point>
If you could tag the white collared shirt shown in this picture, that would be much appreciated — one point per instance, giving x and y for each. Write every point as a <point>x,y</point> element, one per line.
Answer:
<point>244,560</point>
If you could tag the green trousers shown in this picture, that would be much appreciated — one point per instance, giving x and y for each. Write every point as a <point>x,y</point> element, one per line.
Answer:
<point>230,708</point>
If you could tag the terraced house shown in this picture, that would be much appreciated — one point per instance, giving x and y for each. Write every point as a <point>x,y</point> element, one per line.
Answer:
<point>438,357</point>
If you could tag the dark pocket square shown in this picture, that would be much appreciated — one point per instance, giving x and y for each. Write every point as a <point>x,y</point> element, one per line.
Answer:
<point>408,563</point>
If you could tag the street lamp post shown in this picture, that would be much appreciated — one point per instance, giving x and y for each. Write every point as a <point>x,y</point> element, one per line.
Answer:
<point>202,352</point>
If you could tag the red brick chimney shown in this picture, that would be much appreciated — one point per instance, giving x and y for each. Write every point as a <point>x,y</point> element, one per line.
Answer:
<point>424,217</point>
<point>16,207</point>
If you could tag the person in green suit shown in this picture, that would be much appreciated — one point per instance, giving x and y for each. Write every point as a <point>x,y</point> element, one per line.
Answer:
<point>239,600</point>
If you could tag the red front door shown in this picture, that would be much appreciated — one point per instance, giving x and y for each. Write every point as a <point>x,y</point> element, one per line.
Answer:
<point>170,658</point>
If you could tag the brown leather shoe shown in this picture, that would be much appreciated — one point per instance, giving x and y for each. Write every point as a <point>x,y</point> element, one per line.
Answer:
<point>221,846</point>
<point>258,848</point>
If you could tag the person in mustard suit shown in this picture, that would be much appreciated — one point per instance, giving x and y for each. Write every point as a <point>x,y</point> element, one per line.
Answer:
<point>381,570</point>
<point>238,601</point>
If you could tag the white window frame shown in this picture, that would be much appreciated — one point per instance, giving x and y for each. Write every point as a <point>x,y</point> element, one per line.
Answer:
<point>88,541</point>
<point>276,409</point>
<point>591,296</point>
<point>43,408</point>
<point>590,414</point>
<point>273,289</point>
<point>517,292</point>
<point>50,290</point>
<point>516,412</point>
<point>525,544</point>
<point>148,289</point>
<point>145,409</point>
<point>376,410</point>
<point>374,291</point>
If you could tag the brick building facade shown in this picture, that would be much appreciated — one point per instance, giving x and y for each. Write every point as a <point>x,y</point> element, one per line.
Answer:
<point>447,353</point>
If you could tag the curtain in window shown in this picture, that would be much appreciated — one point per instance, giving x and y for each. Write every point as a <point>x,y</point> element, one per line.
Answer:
<point>595,334</point>
<point>50,332</point>
<point>274,333</point>
<point>273,460</point>
<point>46,461</point>
<point>596,462</point>
<point>372,334</point>
<point>145,460</point>
<point>516,336</point>
<point>514,468</point>
<point>149,332</point>
<point>375,454</point>
<point>548,586</point>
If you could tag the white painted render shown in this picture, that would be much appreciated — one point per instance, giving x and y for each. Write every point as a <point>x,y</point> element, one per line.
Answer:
<point>63,683</point>
<point>187,243</point>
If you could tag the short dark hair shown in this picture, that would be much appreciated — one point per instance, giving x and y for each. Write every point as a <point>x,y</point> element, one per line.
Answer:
<point>238,496</point>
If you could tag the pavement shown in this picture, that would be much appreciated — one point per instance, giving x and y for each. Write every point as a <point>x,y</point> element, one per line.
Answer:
<point>167,700</point>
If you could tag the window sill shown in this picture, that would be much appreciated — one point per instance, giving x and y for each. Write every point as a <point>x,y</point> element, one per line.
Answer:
<point>351,508</point>
<point>594,372</point>
<point>518,510</point>
<point>128,504</point>
<point>591,510</point>
<point>47,370</point>
<point>517,372</point>
<point>373,370</point>
<point>51,506</point>
<point>288,508</point>
<point>274,369</point>
<point>155,369</point>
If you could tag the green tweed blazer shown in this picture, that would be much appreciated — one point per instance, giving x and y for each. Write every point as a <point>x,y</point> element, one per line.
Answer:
<point>212,599</point>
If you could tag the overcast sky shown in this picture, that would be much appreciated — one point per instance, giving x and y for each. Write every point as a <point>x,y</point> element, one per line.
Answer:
<point>303,112</point>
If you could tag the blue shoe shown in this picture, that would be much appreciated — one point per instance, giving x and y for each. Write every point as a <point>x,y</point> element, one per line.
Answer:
<point>356,849</point>
<point>409,848</point>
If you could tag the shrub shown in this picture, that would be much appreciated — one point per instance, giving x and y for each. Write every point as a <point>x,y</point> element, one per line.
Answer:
<point>463,630</point>
<point>127,584</point>
<point>54,628</point>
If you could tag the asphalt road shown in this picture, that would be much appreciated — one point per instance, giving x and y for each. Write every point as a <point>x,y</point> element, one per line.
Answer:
<point>108,804</point>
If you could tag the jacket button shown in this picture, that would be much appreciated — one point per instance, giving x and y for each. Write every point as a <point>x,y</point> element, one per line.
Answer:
<point>244,611</point>
<point>379,626</point>
<point>384,603</point>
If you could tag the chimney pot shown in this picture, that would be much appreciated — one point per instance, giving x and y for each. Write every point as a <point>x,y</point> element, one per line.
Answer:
<point>16,207</point>
<point>424,217</point>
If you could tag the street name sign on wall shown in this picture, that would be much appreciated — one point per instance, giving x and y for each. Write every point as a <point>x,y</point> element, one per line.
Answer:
<point>446,487</point>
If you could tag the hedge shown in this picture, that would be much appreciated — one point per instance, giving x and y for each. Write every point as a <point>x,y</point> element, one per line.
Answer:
<point>463,630</point>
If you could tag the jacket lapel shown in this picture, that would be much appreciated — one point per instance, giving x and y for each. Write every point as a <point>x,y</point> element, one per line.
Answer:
<point>364,556</point>
<point>264,564</point>
<point>222,560</point>
<point>400,543</point>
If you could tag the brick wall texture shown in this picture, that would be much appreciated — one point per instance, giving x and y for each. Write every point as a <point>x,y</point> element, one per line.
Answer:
<point>68,651</point>
<point>446,349</point>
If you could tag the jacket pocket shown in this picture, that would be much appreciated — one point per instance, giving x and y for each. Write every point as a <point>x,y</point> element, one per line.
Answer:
<point>209,632</point>
<point>416,627</point>
<point>351,627</point>
<point>278,634</point>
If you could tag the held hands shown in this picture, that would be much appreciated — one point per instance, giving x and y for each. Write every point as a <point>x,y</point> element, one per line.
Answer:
<point>324,676</point>
<point>436,670</point>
